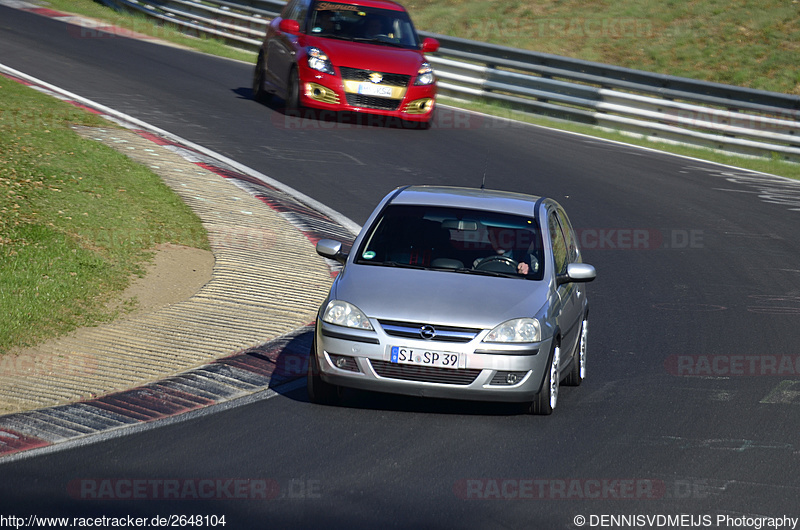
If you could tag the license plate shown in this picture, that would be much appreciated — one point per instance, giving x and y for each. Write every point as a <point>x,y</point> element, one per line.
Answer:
<point>420,357</point>
<point>371,89</point>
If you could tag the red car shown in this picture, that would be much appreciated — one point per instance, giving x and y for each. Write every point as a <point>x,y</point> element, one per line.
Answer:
<point>354,55</point>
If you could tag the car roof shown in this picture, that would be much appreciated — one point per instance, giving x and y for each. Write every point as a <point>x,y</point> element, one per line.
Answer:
<point>469,198</point>
<point>381,4</point>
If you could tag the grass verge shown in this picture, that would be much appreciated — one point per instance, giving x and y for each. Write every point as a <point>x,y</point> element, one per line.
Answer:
<point>77,219</point>
<point>736,42</point>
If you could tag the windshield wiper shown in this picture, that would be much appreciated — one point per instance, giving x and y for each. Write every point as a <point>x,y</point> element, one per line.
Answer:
<point>400,265</point>
<point>467,270</point>
<point>378,41</point>
<point>334,36</point>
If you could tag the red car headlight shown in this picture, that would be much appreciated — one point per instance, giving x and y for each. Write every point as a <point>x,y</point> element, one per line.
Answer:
<point>318,60</point>
<point>425,75</point>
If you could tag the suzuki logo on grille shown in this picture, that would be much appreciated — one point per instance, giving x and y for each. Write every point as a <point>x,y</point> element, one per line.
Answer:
<point>427,332</point>
<point>375,77</point>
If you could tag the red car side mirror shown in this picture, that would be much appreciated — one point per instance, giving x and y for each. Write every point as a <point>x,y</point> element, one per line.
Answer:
<point>289,26</point>
<point>430,45</point>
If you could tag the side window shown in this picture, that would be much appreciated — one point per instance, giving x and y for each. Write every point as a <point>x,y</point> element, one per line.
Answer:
<point>573,254</point>
<point>559,244</point>
<point>290,10</point>
<point>302,11</point>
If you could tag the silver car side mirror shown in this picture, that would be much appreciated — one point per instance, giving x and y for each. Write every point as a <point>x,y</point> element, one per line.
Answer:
<point>328,248</point>
<point>578,272</point>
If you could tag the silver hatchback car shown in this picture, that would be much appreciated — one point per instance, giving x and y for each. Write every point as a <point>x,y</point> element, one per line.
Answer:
<point>455,293</point>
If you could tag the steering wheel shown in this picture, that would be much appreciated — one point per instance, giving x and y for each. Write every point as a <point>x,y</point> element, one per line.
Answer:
<point>382,37</point>
<point>498,264</point>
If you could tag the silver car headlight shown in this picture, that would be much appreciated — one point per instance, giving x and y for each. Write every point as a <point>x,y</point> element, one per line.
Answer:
<point>424,75</point>
<point>345,314</point>
<point>318,60</point>
<point>516,330</point>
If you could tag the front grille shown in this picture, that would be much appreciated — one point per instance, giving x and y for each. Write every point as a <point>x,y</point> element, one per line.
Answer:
<point>411,330</point>
<point>372,102</point>
<point>355,74</point>
<point>425,374</point>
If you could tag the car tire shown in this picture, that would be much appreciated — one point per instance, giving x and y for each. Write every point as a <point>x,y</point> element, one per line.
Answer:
<point>293,91</point>
<point>546,400</point>
<point>259,94</point>
<point>578,371</point>
<point>319,391</point>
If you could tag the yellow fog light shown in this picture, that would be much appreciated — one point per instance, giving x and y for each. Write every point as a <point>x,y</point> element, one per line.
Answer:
<point>420,106</point>
<point>322,94</point>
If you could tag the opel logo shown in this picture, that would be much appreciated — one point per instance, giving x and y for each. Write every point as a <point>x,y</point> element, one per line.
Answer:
<point>375,77</point>
<point>427,332</point>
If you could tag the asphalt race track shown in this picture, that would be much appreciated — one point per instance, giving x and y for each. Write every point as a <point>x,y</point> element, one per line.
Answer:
<point>692,402</point>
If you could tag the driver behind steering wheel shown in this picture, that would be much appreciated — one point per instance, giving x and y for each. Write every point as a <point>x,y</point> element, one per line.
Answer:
<point>503,241</point>
<point>374,27</point>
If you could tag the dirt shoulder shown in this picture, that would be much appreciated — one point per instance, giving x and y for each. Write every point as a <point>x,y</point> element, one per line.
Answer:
<point>174,275</point>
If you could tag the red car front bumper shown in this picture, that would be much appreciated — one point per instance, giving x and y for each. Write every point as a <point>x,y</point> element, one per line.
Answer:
<point>386,98</point>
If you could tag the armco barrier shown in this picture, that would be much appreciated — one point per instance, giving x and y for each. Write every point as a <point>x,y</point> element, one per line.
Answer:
<point>723,117</point>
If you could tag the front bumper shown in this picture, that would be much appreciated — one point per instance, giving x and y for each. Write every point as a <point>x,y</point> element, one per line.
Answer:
<point>362,360</point>
<point>330,92</point>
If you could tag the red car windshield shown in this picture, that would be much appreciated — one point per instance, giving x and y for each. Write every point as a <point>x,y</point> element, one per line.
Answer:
<point>363,24</point>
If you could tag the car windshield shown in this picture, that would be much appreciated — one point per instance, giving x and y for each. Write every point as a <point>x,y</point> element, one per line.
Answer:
<point>364,24</point>
<point>455,240</point>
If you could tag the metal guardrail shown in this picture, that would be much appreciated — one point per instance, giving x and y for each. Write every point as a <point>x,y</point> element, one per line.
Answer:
<point>723,117</point>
